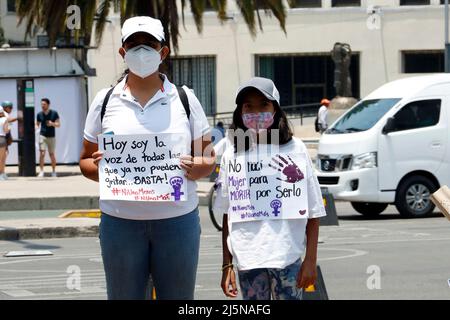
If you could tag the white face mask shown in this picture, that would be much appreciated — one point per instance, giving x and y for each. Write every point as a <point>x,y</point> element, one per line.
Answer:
<point>143,60</point>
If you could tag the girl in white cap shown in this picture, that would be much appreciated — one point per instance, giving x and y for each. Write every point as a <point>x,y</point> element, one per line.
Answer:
<point>140,238</point>
<point>4,130</point>
<point>264,233</point>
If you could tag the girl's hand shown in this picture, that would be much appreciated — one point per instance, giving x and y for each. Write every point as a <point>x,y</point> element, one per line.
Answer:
<point>228,283</point>
<point>97,156</point>
<point>187,163</point>
<point>307,275</point>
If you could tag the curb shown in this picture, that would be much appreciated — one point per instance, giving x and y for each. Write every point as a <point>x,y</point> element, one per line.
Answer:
<point>45,232</point>
<point>53,203</point>
<point>63,203</point>
<point>34,231</point>
<point>10,234</point>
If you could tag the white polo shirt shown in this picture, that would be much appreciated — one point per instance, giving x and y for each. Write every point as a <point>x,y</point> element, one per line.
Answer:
<point>269,243</point>
<point>164,113</point>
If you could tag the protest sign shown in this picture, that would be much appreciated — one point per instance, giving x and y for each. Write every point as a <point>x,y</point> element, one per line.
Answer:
<point>441,198</point>
<point>142,167</point>
<point>267,186</point>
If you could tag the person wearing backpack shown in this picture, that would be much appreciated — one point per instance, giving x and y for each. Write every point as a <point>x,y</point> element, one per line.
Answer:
<point>139,239</point>
<point>322,116</point>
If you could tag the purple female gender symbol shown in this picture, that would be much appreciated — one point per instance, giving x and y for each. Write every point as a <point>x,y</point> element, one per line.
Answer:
<point>275,205</point>
<point>176,183</point>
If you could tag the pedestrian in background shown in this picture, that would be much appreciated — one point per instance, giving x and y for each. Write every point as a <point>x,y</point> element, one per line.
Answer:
<point>221,128</point>
<point>218,132</point>
<point>322,115</point>
<point>7,107</point>
<point>4,130</point>
<point>47,120</point>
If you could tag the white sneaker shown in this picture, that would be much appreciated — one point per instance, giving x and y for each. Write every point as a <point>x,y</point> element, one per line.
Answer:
<point>5,176</point>
<point>54,174</point>
<point>41,174</point>
<point>2,177</point>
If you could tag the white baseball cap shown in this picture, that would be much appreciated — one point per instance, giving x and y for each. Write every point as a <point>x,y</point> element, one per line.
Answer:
<point>143,24</point>
<point>263,85</point>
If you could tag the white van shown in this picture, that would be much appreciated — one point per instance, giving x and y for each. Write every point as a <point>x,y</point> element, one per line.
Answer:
<point>392,147</point>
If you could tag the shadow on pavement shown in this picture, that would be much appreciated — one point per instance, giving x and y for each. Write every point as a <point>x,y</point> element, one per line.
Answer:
<point>47,175</point>
<point>34,246</point>
<point>386,216</point>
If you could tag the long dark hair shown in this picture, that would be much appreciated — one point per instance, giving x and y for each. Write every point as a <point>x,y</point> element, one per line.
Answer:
<point>280,123</point>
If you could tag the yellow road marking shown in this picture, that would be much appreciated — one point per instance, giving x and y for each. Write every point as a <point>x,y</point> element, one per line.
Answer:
<point>81,214</point>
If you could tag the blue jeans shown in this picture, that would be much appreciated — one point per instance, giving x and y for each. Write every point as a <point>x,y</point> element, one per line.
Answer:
<point>166,249</point>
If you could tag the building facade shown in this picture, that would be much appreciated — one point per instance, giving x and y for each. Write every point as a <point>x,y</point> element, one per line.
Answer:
<point>389,39</point>
<point>54,73</point>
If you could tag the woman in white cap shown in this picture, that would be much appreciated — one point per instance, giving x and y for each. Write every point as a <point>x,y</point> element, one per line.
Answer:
<point>139,239</point>
<point>265,242</point>
<point>4,130</point>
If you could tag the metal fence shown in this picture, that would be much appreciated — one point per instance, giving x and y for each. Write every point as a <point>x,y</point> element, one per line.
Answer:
<point>300,111</point>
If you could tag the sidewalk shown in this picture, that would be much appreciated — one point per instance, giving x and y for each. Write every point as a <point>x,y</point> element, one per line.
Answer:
<point>69,191</point>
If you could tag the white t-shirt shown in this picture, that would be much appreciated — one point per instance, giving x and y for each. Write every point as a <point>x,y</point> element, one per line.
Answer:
<point>270,243</point>
<point>2,123</point>
<point>164,113</point>
<point>323,116</point>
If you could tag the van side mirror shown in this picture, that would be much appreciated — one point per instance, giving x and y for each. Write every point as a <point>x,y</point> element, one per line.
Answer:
<point>389,126</point>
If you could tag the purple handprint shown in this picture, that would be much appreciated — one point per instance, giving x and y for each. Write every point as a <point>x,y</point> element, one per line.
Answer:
<point>176,183</point>
<point>290,170</point>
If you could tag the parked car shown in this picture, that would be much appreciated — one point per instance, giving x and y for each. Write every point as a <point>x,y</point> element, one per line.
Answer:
<point>392,147</point>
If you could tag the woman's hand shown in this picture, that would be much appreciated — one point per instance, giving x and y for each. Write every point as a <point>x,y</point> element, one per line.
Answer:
<point>187,163</point>
<point>89,158</point>
<point>201,162</point>
<point>191,168</point>
<point>307,275</point>
<point>97,156</point>
<point>228,282</point>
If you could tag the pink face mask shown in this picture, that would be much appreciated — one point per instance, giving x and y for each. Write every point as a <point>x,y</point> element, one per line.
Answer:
<point>258,121</point>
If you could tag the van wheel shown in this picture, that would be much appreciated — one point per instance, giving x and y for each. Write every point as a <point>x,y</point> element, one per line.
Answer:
<point>413,197</point>
<point>369,209</point>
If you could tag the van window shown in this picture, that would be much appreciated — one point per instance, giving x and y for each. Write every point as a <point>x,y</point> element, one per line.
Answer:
<point>362,116</point>
<point>418,114</point>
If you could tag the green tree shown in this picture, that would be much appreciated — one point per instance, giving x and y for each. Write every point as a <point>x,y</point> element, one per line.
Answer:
<point>51,15</point>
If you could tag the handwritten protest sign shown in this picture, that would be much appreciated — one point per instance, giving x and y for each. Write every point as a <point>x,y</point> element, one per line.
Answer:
<point>142,167</point>
<point>267,186</point>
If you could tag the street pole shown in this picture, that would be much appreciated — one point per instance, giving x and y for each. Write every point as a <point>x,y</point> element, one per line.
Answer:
<point>447,45</point>
<point>26,104</point>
